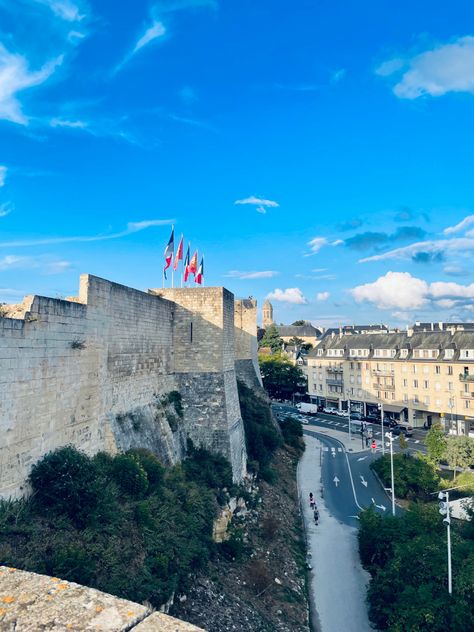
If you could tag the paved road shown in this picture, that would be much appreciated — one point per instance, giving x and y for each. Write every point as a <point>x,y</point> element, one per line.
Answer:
<point>348,484</point>
<point>415,443</point>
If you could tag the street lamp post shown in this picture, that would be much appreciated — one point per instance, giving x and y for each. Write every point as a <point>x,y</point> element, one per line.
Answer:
<point>445,511</point>
<point>390,437</point>
<point>349,411</point>
<point>380,407</point>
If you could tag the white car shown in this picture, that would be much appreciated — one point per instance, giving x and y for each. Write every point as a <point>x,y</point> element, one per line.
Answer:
<point>330,411</point>
<point>343,413</point>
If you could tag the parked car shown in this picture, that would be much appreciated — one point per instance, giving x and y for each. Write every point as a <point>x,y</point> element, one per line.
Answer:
<point>404,430</point>
<point>356,416</point>
<point>372,419</point>
<point>343,413</point>
<point>329,410</point>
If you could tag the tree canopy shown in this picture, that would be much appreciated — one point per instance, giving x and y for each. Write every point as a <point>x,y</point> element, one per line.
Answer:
<point>271,338</point>
<point>281,378</point>
<point>436,443</point>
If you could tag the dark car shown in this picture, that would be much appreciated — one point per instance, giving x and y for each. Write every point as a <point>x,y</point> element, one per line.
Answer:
<point>356,415</point>
<point>402,430</point>
<point>372,419</point>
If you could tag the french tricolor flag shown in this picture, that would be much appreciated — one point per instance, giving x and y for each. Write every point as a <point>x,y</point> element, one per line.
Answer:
<point>169,252</point>
<point>200,273</point>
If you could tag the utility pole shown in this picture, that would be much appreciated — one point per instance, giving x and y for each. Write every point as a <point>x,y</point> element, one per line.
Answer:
<point>380,406</point>
<point>349,411</point>
<point>445,511</point>
<point>390,437</point>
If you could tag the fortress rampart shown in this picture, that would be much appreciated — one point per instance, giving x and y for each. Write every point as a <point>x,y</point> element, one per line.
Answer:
<point>94,371</point>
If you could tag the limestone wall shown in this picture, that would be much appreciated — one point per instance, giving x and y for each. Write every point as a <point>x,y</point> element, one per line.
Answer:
<point>91,371</point>
<point>246,347</point>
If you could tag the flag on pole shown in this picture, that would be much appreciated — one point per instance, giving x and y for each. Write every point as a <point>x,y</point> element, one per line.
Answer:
<point>169,252</point>
<point>179,254</point>
<point>200,273</point>
<point>192,267</point>
<point>186,265</point>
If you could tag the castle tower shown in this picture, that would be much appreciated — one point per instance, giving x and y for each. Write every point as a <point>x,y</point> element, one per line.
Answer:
<point>267,313</point>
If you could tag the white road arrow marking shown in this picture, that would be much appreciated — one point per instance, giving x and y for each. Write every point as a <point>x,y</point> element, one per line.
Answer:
<point>336,480</point>
<point>356,517</point>
<point>363,481</point>
<point>333,452</point>
<point>362,458</point>
<point>379,506</point>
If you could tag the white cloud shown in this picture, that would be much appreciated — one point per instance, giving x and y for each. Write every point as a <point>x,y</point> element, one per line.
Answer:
<point>290,295</point>
<point>156,30</point>
<point>132,227</point>
<point>446,303</point>
<point>260,203</point>
<point>264,274</point>
<point>16,76</point>
<point>338,75</point>
<point>445,68</point>
<point>317,243</point>
<point>5,209</point>
<point>319,270</point>
<point>395,290</point>
<point>3,175</point>
<point>451,290</point>
<point>322,296</point>
<point>433,247</point>
<point>465,223</point>
<point>64,9</point>
<point>59,122</point>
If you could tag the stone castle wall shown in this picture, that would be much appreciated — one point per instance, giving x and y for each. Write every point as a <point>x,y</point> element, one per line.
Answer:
<point>91,371</point>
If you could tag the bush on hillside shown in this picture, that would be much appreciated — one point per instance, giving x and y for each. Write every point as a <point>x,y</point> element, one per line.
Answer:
<point>261,436</point>
<point>142,529</point>
<point>415,478</point>
<point>292,431</point>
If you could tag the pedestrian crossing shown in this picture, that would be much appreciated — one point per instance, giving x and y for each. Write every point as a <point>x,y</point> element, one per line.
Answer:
<point>326,449</point>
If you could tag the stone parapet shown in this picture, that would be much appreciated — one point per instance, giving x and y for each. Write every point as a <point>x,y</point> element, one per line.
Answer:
<point>30,602</point>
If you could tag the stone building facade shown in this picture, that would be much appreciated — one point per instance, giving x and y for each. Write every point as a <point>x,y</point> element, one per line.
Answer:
<point>94,371</point>
<point>418,376</point>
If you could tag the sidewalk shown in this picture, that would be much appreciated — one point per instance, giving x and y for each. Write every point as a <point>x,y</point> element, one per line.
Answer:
<point>338,581</point>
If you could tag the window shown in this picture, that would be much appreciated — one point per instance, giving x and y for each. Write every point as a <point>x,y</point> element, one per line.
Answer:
<point>426,401</point>
<point>405,398</point>
<point>405,383</point>
<point>437,369</point>
<point>385,395</point>
<point>426,353</point>
<point>367,366</point>
<point>359,366</point>
<point>191,333</point>
<point>403,353</point>
<point>426,384</point>
<point>320,387</point>
<point>352,379</point>
<point>415,383</point>
<point>352,365</point>
<point>450,370</point>
<point>467,404</point>
<point>415,399</point>
<point>426,369</point>
<point>448,354</point>
<point>393,395</point>
<point>450,386</point>
<point>438,402</point>
<point>415,368</point>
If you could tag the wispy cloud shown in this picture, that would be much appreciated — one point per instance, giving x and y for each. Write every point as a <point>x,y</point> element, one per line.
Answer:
<point>60,122</point>
<point>435,248</point>
<point>261,204</point>
<point>435,72</point>
<point>15,76</point>
<point>291,295</point>
<point>132,227</point>
<point>3,175</point>
<point>461,226</point>
<point>264,274</point>
<point>153,32</point>
<point>64,9</point>
<point>45,263</point>
<point>185,120</point>
<point>338,75</point>
<point>5,209</point>
<point>317,243</point>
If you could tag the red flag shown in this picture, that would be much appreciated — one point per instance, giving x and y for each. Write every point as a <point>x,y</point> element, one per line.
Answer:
<point>186,265</point>
<point>179,254</point>
<point>200,273</point>
<point>192,267</point>
<point>169,251</point>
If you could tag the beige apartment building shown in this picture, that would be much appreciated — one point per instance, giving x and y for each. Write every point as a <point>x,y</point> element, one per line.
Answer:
<point>420,376</point>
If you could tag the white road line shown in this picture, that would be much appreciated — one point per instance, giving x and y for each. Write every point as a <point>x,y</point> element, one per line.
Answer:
<point>352,482</point>
<point>339,449</point>
<point>326,449</point>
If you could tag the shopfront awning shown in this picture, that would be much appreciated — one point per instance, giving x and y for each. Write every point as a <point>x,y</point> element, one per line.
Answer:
<point>393,409</point>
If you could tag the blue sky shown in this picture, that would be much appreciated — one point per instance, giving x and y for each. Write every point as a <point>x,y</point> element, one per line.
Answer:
<point>319,153</point>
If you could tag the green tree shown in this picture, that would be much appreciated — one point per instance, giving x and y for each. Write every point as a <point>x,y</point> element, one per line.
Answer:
<point>296,341</point>
<point>272,339</point>
<point>298,323</point>
<point>459,452</point>
<point>281,378</point>
<point>436,443</point>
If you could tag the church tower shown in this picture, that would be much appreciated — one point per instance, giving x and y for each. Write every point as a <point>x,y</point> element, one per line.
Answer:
<point>267,313</point>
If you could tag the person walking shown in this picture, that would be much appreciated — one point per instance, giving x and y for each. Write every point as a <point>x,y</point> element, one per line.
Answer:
<point>312,502</point>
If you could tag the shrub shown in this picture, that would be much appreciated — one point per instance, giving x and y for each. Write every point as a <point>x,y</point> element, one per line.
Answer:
<point>212,470</point>
<point>261,436</point>
<point>292,431</point>
<point>415,478</point>
<point>174,398</point>
<point>66,481</point>
<point>130,474</point>
<point>154,469</point>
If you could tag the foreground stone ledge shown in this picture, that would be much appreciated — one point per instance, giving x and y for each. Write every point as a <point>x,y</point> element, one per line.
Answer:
<point>31,602</point>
